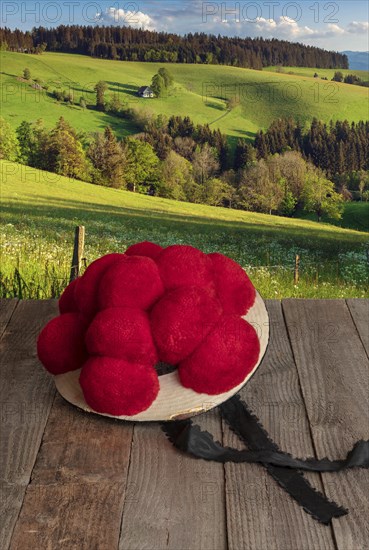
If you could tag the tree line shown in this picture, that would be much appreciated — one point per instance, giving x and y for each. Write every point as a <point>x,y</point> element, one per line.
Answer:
<point>184,170</point>
<point>349,79</point>
<point>128,44</point>
<point>337,148</point>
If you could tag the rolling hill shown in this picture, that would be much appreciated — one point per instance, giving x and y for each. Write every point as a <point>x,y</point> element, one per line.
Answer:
<point>358,60</point>
<point>309,72</point>
<point>40,211</point>
<point>200,91</point>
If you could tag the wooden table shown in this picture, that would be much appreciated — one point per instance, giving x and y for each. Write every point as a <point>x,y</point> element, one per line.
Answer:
<point>72,480</point>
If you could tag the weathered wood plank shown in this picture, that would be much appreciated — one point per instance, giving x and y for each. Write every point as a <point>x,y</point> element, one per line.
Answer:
<point>26,395</point>
<point>359,310</point>
<point>259,513</point>
<point>334,375</point>
<point>7,308</point>
<point>69,516</point>
<point>175,501</point>
<point>76,496</point>
<point>83,447</point>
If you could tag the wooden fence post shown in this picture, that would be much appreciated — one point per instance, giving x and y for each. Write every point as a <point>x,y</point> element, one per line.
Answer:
<point>78,252</point>
<point>296,277</point>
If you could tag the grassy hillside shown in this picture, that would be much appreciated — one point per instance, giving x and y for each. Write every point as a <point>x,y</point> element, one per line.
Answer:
<point>355,216</point>
<point>309,72</point>
<point>199,91</point>
<point>41,210</point>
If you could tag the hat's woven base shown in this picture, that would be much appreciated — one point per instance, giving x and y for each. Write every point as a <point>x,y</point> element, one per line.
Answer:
<point>175,402</point>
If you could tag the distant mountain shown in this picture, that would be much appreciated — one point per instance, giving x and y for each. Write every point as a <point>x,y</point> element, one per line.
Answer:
<point>358,61</point>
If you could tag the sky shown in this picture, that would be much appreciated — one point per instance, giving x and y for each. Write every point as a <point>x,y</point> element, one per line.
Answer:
<point>334,25</point>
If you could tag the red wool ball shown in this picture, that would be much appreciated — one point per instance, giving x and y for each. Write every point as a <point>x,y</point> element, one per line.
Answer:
<point>181,320</point>
<point>122,333</point>
<point>224,359</point>
<point>150,250</point>
<point>61,346</point>
<point>67,301</point>
<point>117,387</point>
<point>132,282</point>
<point>185,266</point>
<point>234,288</point>
<point>86,291</point>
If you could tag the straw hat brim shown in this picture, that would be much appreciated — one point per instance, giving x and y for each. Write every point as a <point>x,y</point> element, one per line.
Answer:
<point>174,402</point>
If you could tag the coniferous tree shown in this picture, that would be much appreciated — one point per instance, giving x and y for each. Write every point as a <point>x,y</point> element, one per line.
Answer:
<point>109,159</point>
<point>130,44</point>
<point>338,76</point>
<point>244,154</point>
<point>65,154</point>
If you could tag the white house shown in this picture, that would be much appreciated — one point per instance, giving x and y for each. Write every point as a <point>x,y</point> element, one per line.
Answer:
<point>146,91</point>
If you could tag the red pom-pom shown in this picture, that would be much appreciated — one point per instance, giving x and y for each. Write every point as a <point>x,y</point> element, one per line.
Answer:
<point>67,301</point>
<point>122,333</point>
<point>185,266</point>
<point>224,359</point>
<point>234,288</point>
<point>86,291</point>
<point>116,387</point>
<point>181,320</point>
<point>61,346</point>
<point>150,250</point>
<point>132,282</point>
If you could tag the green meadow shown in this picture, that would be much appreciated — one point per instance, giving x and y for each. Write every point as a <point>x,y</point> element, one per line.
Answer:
<point>255,98</point>
<point>309,72</point>
<point>40,211</point>
<point>355,216</point>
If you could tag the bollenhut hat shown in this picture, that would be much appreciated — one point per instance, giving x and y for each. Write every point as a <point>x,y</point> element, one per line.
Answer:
<point>156,334</point>
<point>164,334</point>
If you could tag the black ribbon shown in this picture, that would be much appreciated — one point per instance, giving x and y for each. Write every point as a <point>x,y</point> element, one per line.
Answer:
<point>285,469</point>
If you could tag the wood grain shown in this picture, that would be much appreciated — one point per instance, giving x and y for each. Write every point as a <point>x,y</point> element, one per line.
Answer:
<point>82,447</point>
<point>176,502</point>
<point>334,375</point>
<point>26,395</point>
<point>259,513</point>
<point>70,516</point>
<point>359,310</point>
<point>78,486</point>
<point>7,308</point>
<point>76,481</point>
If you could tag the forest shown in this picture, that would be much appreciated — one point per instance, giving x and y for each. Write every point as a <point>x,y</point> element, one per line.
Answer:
<point>337,148</point>
<point>283,172</point>
<point>128,44</point>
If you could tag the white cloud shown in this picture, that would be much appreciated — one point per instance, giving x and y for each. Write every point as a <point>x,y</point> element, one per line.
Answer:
<point>286,28</point>
<point>188,18</point>
<point>358,27</point>
<point>137,20</point>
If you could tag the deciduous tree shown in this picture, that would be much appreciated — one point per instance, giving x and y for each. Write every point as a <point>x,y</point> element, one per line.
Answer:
<point>319,195</point>
<point>100,90</point>
<point>158,85</point>
<point>9,148</point>
<point>141,171</point>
